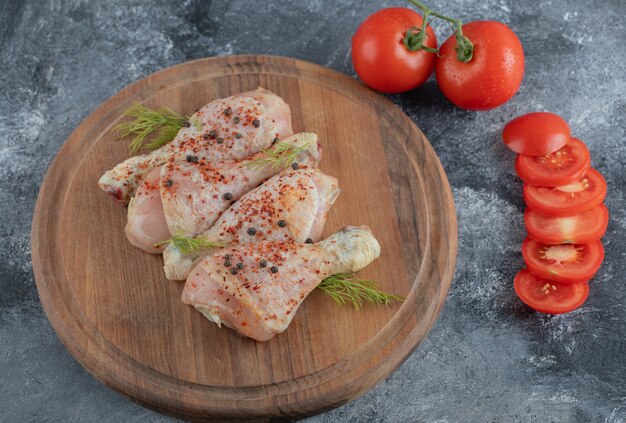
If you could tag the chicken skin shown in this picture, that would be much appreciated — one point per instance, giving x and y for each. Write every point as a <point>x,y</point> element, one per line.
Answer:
<point>230,128</point>
<point>189,196</point>
<point>257,288</point>
<point>291,205</point>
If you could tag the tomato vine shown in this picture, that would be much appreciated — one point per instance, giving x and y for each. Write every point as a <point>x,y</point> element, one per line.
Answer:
<point>415,36</point>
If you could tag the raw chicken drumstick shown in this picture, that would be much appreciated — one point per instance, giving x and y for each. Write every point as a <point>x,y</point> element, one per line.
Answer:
<point>290,205</point>
<point>257,288</point>
<point>230,128</point>
<point>188,197</point>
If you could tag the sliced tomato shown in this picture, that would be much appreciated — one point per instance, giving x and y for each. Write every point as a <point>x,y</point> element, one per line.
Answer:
<point>582,228</point>
<point>536,134</point>
<point>567,200</point>
<point>548,296</point>
<point>566,263</point>
<point>563,167</point>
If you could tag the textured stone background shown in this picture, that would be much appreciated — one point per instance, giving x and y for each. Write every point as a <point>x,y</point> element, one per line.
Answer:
<point>489,358</point>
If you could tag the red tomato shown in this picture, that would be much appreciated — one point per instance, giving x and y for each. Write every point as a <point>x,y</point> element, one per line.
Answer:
<point>563,167</point>
<point>536,134</point>
<point>494,73</point>
<point>567,200</point>
<point>582,228</point>
<point>565,263</point>
<point>381,59</point>
<point>548,296</point>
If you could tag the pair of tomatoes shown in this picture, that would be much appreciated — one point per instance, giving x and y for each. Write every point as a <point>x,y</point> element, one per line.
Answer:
<point>385,61</point>
<point>565,218</point>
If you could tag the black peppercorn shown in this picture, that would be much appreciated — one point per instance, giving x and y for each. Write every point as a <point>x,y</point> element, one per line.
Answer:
<point>239,265</point>
<point>227,263</point>
<point>234,270</point>
<point>213,133</point>
<point>237,135</point>
<point>295,166</point>
<point>274,269</point>
<point>282,223</point>
<point>236,119</point>
<point>220,140</point>
<point>263,263</point>
<point>186,124</point>
<point>256,123</point>
<point>169,183</point>
<point>228,256</point>
<point>228,196</point>
<point>205,136</point>
<point>251,231</point>
<point>228,112</point>
<point>308,241</point>
<point>192,159</point>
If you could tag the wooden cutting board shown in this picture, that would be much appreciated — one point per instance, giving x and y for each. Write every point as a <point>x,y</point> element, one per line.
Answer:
<point>123,321</point>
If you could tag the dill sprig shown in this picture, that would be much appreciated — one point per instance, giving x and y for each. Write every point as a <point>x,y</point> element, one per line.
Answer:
<point>195,121</point>
<point>164,123</point>
<point>280,155</point>
<point>345,289</point>
<point>189,245</point>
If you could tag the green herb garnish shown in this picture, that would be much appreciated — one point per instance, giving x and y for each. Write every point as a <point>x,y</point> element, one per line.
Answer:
<point>189,245</point>
<point>164,123</point>
<point>280,155</point>
<point>196,122</point>
<point>345,289</point>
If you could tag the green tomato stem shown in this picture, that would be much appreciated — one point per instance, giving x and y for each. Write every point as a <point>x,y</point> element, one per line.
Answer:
<point>414,40</point>
<point>464,46</point>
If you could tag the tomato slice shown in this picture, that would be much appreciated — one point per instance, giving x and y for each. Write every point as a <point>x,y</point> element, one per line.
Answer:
<point>563,167</point>
<point>548,296</point>
<point>582,228</point>
<point>567,200</point>
<point>536,134</point>
<point>566,263</point>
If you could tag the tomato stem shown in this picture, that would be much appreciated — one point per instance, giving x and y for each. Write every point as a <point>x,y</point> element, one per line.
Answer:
<point>464,46</point>
<point>414,40</point>
<point>416,36</point>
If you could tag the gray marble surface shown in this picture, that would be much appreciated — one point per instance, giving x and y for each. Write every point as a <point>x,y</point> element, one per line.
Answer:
<point>489,358</point>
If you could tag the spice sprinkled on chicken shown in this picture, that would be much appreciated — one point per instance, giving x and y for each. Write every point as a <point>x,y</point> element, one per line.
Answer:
<point>291,205</point>
<point>190,195</point>
<point>260,301</point>
<point>231,128</point>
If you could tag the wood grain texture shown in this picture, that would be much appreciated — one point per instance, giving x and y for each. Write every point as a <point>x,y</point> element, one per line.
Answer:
<point>123,321</point>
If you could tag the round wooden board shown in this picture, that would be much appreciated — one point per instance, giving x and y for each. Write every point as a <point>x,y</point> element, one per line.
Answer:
<point>123,321</point>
